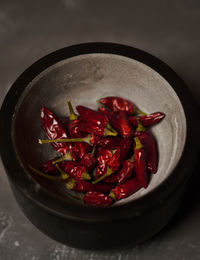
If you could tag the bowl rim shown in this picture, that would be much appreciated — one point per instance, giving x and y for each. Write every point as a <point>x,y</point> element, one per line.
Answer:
<point>162,192</point>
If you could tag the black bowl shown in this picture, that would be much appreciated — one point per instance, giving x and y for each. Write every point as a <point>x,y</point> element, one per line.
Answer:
<point>85,73</point>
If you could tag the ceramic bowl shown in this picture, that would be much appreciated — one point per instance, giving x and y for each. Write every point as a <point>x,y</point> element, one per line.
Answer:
<point>85,73</point>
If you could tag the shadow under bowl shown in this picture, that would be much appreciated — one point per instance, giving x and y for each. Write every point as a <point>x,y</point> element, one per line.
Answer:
<point>83,74</point>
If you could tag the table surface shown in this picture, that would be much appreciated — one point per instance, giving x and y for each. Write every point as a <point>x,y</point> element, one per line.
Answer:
<point>166,29</point>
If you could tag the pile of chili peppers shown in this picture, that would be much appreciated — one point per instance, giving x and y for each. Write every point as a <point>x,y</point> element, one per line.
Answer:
<point>105,155</point>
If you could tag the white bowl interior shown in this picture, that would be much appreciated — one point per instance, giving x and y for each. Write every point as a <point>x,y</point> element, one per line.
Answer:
<point>84,79</point>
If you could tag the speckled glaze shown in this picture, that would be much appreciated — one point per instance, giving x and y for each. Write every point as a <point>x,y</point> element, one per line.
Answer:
<point>85,73</point>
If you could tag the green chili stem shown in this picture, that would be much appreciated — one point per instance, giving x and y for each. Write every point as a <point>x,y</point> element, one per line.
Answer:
<point>64,175</point>
<point>108,173</point>
<point>52,178</point>
<point>138,111</point>
<point>112,195</point>
<point>132,159</point>
<point>109,132</point>
<point>108,126</point>
<point>85,176</point>
<point>66,140</point>
<point>138,144</point>
<point>140,127</point>
<point>72,116</point>
<point>70,184</point>
<point>66,157</point>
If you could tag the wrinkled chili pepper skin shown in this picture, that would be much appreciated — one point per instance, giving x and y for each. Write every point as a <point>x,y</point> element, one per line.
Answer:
<point>88,161</point>
<point>148,141</point>
<point>118,104</point>
<point>109,142</point>
<point>120,122</point>
<point>75,130</point>
<point>84,186</point>
<point>128,188</point>
<point>73,169</point>
<point>123,174</point>
<point>147,120</point>
<point>54,130</point>
<point>116,160</point>
<point>141,167</point>
<point>94,198</point>
<point>103,157</point>
<point>92,116</point>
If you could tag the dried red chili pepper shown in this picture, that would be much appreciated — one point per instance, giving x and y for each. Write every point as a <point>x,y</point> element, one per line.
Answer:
<point>49,166</point>
<point>79,148</point>
<point>95,198</point>
<point>88,160</point>
<point>109,142</point>
<point>147,120</point>
<point>75,170</point>
<point>54,129</point>
<point>149,144</point>
<point>117,158</point>
<point>96,122</point>
<point>84,186</point>
<point>124,190</point>
<point>140,163</point>
<point>121,152</point>
<point>102,158</point>
<point>120,104</point>
<point>124,173</point>
<point>120,122</point>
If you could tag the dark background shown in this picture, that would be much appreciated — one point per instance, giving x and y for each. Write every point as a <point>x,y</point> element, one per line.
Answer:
<point>168,29</point>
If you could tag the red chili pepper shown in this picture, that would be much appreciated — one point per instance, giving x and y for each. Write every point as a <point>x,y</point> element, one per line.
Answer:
<point>88,160</point>
<point>147,120</point>
<point>117,158</point>
<point>79,148</point>
<point>75,170</point>
<point>84,186</point>
<point>124,190</point>
<point>109,142</point>
<point>102,158</point>
<point>95,198</point>
<point>140,163</point>
<point>120,104</point>
<point>119,121</point>
<point>92,116</point>
<point>123,174</point>
<point>54,130</point>
<point>48,167</point>
<point>149,144</point>
<point>96,122</point>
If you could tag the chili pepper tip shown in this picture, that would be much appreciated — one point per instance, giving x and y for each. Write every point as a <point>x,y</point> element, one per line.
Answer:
<point>112,195</point>
<point>85,176</point>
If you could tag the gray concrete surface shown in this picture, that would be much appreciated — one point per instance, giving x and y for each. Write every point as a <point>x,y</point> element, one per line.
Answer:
<point>166,29</point>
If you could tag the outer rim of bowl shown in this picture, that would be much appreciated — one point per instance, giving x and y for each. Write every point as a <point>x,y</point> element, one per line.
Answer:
<point>180,175</point>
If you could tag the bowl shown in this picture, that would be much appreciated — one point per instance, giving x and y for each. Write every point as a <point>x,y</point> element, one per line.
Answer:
<point>85,73</point>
